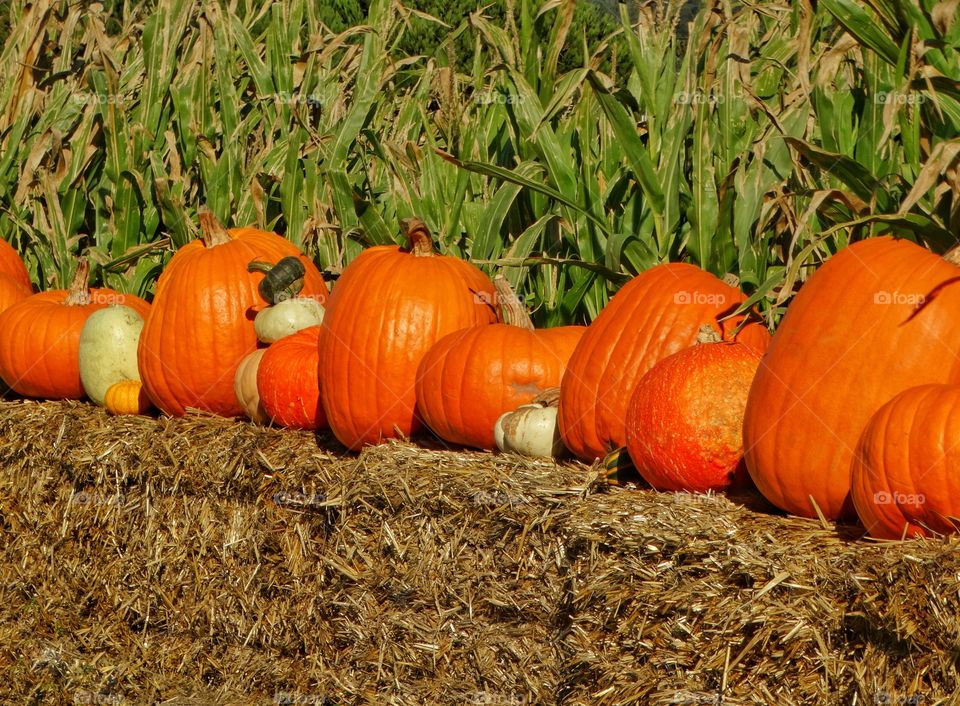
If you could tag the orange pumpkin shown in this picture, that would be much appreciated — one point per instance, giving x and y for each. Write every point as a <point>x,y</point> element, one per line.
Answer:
<point>11,264</point>
<point>12,290</point>
<point>126,397</point>
<point>40,346</point>
<point>685,419</point>
<point>388,308</point>
<point>472,376</point>
<point>905,476</point>
<point>288,382</point>
<point>657,313</point>
<point>877,318</point>
<point>201,325</point>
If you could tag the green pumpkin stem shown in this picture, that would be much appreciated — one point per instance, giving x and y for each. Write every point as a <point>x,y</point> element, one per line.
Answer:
<point>79,292</point>
<point>512,310</point>
<point>212,231</point>
<point>418,236</point>
<point>281,281</point>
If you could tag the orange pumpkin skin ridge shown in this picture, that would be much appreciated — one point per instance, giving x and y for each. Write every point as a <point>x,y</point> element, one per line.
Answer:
<point>201,325</point>
<point>851,339</point>
<point>656,314</point>
<point>386,310</point>
<point>905,476</point>
<point>288,381</point>
<point>685,419</point>
<point>471,377</point>
<point>12,264</point>
<point>40,351</point>
<point>12,290</point>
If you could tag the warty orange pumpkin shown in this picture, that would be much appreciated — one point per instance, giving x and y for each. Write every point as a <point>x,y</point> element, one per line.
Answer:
<point>905,475</point>
<point>201,325</point>
<point>657,313</point>
<point>40,346</point>
<point>880,316</point>
<point>685,418</point>
<point>288,381</point>
<point>390,305</point>
<point>470,377</point>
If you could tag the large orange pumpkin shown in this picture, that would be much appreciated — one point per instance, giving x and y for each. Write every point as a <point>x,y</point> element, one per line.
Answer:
<point>388,308</point>
<point>11,264</point>
<point>905,477</point>
<point>40,345</point>
<point>657,313</point>
<point>685,419</point>
<point>878,317</point>
<point>472,376</point>
<point>288,382</point>
<point>201,325</point>
<point>12,290</point>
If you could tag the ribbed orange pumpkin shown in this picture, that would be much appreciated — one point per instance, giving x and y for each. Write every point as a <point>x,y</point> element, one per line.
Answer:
<point>685,419</point>
<point>12,290</point>
<point>40,345</point>
<point>201,325</point>
<point>288,381</point>
<point>11,264</point>
<point>126,397</point>
<point>905,477</point>
<point>657,313</point>
<point>877,318</point>
<point>388,308</point>
<point>472,376</point>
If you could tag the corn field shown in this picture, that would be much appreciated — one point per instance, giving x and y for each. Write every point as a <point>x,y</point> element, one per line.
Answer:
<point>754,144</point>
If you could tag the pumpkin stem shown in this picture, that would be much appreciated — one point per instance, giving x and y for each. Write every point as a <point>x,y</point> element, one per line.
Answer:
<point>418,236</point>
<point>79,293</point>
<point>281,281</point>
<point>708,334</point>
<point>512,311</point>
<point>212,231</point>
<point>548,398</point>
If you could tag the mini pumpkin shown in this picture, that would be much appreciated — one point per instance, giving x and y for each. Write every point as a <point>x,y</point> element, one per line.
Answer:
<point>469,378</point>
<point>201,325</point>
<point>245,387</point>
<point>126,397</point>
<point>531,429</point>
<point>685,418</point>
<point>389,306</point>
<point>656,314</point>
<point>905,475</point>
<point>288,381</point>
<point>40,348</point>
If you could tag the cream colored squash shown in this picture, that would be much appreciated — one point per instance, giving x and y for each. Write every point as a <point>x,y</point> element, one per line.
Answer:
<point>245,387</point>
<point>108,349</point>
<point>287,317</point>
<point>530,430</point>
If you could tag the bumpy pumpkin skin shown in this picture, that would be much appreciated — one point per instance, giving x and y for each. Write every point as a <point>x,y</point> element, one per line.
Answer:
<point>126,397</point>
<point>40,348</point>
<point>685,419</point>
<point>389,306</point>
<point>288,381</point>
<point>656,314</point>
<point>471,377</point>
<point>905,476</point>
<point>201,325</point>
<point>12,264</point>
<point>852,339</point>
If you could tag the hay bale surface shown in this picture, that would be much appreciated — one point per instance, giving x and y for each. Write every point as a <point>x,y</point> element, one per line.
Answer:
<point>207,561</point>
